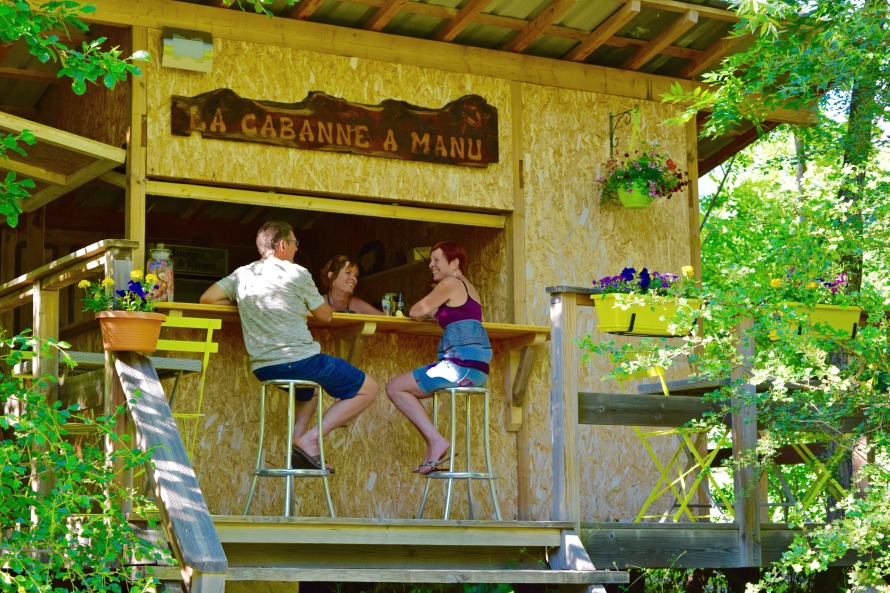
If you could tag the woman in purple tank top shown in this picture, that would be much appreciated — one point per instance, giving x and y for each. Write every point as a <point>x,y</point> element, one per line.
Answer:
<point>464,351</point>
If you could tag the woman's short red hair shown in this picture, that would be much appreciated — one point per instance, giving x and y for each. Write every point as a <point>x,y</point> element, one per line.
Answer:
<point>452,251</point>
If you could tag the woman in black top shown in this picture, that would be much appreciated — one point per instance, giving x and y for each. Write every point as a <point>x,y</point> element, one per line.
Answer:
<point>337,282</point>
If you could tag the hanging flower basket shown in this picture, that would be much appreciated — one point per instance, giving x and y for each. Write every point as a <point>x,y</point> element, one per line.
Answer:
<point>649,319</point>
<point>133,331</point>
<point>838,319</point>
<point>638,199</point>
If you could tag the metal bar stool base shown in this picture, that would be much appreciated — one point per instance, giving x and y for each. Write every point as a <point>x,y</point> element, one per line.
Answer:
<point>469,474</point>
<point>288,472</point>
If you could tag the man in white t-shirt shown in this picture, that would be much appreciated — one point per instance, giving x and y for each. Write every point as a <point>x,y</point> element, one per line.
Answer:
<point>274,297</point>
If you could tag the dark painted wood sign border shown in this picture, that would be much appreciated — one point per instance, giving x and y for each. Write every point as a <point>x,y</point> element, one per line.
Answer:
<point>464,132</point>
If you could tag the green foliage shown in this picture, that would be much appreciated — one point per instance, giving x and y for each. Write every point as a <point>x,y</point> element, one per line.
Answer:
<point>61,524</point>
<point>804,53</point>
<point>258,6</point>
<point>40,26</point>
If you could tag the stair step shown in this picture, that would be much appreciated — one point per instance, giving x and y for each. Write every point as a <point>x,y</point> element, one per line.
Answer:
<point>412,575</point>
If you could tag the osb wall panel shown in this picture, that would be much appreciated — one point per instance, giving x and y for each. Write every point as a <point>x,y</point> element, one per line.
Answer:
<point>271,73</point>
<point>373,456</point>
<point>109,108</point>
<point>571,241</point>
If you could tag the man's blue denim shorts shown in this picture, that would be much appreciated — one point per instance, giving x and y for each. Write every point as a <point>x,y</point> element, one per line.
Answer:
<point>336,376</point>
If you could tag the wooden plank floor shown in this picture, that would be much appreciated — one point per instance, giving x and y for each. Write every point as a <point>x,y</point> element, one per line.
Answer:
<point>407,532</point>
<point>394,551</point>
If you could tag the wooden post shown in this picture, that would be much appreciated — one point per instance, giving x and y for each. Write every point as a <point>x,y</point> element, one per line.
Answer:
<point>135,188</point>
<point>692,188</point>
<point>46,325</point>
<point>517,307</point>
<point>744,439</point>
<point>564,361</point>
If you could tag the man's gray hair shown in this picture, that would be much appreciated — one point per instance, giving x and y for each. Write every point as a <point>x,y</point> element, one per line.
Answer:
<point>270,234</point>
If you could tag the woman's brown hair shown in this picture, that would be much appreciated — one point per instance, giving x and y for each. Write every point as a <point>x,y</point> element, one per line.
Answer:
<point>334,266</point>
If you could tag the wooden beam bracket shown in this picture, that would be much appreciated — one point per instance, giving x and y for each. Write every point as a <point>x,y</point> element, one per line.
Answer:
<point>520,354</point>
<point>350,340</point>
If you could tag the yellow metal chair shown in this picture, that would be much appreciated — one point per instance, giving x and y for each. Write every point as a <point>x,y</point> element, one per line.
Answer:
<point>822,482</point>
<point>192,407</point>
<point>674,476</point>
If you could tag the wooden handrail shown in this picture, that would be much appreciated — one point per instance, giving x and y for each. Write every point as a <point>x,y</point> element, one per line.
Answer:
<point>90,261</point>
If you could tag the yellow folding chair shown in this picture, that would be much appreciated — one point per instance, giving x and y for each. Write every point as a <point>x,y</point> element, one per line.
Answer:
<point>191,412</point>
<point>674,476</point>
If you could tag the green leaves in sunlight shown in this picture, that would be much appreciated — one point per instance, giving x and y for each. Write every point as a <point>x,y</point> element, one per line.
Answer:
<point>61,527</point>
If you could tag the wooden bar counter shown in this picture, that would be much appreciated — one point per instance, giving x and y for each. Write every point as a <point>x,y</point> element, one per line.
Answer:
<point>375,454</point>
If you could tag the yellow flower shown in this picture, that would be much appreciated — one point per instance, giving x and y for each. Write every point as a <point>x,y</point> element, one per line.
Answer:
<point>83,284</point>
<point>136,275</point>
<point>151,278</point>
<point>108,282</point>
<point>812,284</point>
<point>688,271</point>
<point>776,283</point>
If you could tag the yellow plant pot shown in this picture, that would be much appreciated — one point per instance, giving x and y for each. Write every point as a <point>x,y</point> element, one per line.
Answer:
<point>133,331</point>
<point>638,199</point>
<point>837,318</point>
<point>651,319</point>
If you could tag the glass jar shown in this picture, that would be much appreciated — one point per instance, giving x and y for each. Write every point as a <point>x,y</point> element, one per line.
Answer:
<point>161,265</point>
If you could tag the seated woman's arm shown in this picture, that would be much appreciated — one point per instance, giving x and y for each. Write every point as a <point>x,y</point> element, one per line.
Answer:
<point>426,307</point>
<point>363,307</point>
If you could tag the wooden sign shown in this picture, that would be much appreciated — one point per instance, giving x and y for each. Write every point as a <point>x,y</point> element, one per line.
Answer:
<point>464,132</point>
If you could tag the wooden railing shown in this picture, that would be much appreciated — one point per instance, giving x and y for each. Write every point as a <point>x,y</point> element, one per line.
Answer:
<point>194,541</point>
<point>565,396</point>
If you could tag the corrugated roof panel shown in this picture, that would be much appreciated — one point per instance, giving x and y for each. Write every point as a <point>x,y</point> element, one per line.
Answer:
<point>413,25</point>
<point>487,36</point>
<point>587,16</point>
<point>518,9</point>
<point>343,14</point>
<point>548,46</point>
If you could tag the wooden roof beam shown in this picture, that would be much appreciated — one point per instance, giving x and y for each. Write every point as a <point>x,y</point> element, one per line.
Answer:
<point>662,40</point>
<point>304,9</point>
<point>710,56</point>
<point>30,75</point>
<point>24,112</point>
<point>738,143</point>
<point>533,30</point>
<point>384,14</point>
<point>425,53</point>
<point>709,12</point>
<point>607,29</point>
<point>465,16</point>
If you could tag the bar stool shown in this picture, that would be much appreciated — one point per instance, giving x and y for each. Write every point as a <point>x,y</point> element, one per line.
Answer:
<point>289,473</point>
<point>469,474</point>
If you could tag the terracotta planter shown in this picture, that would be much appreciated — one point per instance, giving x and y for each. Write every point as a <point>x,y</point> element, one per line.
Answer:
<point>640,320</point>
<point>638,199</point>
<point>837,318</point>
<point>133,331</point>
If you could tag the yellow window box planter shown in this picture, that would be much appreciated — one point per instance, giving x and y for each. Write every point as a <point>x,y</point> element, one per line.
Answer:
<point>649,319</point>
<point>839,319</point>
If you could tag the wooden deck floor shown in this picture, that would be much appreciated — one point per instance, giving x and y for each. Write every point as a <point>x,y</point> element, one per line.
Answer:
<point>398,551</point>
